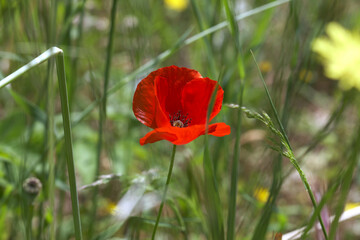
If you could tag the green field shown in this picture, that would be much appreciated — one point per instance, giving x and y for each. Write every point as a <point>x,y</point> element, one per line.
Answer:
<point>76,97</point>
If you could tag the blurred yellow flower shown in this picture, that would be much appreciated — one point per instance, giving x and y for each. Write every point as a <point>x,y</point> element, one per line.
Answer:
<point>261,194</point>
<point>111,208</point>
<point>176,5</point>
<point>340,55</point>
<point>265,66</point>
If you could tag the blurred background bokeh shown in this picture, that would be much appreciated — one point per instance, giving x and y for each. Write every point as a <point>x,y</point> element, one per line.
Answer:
<point>122,180</point>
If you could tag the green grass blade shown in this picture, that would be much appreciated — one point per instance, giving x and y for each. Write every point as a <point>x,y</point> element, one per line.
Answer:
<point>211,191</point>
<point>172,160</point>
<point>58,53</point>
<point>328,195</point>
<point>68,143</point>
<point>290,151</point>
<point>109,51</point>
<point>32,64</point>
<point>50,143</point>
<point>102,113</point>
<point>212,204</point>
<point>50,138</point>
<point>234,163</point>
<point>271,103</point>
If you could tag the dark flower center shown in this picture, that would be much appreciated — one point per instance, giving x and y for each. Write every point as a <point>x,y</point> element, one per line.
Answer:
<point>179,120</point>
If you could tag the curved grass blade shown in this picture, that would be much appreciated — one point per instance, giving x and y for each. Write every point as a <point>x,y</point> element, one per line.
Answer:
<point>58,54</point>
<point>289,152</point>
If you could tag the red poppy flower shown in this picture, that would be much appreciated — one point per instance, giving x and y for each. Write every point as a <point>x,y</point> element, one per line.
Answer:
<point>174,102</point>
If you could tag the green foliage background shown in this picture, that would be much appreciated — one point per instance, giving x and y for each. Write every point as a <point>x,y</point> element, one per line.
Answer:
<point>108,49</point>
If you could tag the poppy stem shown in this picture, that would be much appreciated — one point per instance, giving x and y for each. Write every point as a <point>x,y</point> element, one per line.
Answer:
<point>165,191</point>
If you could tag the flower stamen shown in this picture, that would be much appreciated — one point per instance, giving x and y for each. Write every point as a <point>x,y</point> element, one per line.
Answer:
<point>179,120</point>
<point>178,123</point>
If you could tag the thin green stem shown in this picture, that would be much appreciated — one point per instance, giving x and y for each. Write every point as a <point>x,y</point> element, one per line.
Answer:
<point>211,192</point>
<point>272,103</point>
<point>165,191</point>
<point>291,157</point>
<point>102,114</point>
<point>109,54</point>
<point>68,143</point>
<point>234,164</point>
<point>311,194</point>
<point>50,144</point>
<point>50,120</point>
<point>328,195</point>
<point>29,215</point>
<point>234,175</point>
<point>58,53</point>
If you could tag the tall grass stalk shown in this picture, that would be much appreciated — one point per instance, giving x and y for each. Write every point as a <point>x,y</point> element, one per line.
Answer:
<point>328,195</point>
<point>68,143</point>
<point>172,160</point>
<point>58,54</point>
<point>234,163</point>
<point>290,152</point>
<point>50,144</point>
<point>102,113</point>
<point>211,190</point>
<point>51,31</point>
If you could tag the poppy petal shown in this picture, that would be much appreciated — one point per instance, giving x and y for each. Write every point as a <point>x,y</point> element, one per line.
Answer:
<point>219,129</point>
<point>195,99</point>
<point>157,135</point>
<point>146,106</point>
<point>162,92</point>
<point>169,85</point>
<point>181,136</point>
<point>175,135</point>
